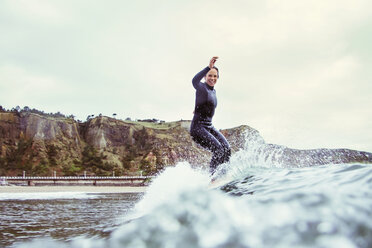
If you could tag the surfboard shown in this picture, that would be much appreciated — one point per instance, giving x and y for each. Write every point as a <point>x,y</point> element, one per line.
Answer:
<point>221,181</point>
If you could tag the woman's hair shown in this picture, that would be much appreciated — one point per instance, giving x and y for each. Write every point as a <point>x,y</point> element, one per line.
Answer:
<point>218,72</point>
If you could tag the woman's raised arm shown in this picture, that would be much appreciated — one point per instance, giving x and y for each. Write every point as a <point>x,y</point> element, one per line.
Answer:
<point>199,76</point>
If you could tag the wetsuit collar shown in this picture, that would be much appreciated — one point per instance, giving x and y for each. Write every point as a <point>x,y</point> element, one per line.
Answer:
<point>209,87</point>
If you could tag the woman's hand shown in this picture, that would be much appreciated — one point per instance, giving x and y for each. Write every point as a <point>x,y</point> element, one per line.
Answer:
<point>213,60</point>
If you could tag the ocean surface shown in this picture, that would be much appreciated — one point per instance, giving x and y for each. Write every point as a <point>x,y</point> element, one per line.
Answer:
<point>259,203</point>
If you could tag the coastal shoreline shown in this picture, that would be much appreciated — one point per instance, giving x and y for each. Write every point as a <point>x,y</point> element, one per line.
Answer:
<point>85,189</point>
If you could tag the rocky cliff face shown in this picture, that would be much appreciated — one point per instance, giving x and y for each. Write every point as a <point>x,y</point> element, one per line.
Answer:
<point>40,144</point>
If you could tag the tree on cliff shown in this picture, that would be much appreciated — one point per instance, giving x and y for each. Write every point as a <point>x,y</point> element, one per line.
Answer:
<point>26,109</point>
<point>91,157</point>
<point>52,154</point>
<point>19,158</point>
<point>146,167</point>
<point>142,139</point>
<point>16,109</point>
<point>89,117</point>
<point>93,161</point>
<point>72,170</point>
<point>3,166</point>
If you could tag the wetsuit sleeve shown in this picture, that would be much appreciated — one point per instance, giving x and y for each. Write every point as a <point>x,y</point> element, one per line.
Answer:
<point>198,77</point>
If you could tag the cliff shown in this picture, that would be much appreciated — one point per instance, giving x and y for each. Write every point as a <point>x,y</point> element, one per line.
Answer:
<point>40,144</point>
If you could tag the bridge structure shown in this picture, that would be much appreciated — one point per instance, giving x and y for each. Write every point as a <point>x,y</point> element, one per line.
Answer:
<point>77,180</point>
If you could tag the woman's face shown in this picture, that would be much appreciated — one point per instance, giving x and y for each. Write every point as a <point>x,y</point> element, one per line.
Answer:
<point>211,77</point>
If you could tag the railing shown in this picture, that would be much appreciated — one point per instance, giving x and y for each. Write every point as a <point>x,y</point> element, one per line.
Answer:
<point>78,178</point>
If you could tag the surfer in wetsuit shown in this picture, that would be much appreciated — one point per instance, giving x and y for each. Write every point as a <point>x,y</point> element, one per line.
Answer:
<point>201,129</point>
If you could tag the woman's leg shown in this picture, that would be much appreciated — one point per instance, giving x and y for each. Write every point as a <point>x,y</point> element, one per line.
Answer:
<point>209,138</point>
<point>225,144</point>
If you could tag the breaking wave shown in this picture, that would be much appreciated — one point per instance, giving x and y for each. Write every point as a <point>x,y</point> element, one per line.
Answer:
<point>264,204</point>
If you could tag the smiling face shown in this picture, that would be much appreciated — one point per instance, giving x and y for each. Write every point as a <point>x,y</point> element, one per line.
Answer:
<point>211,77</point>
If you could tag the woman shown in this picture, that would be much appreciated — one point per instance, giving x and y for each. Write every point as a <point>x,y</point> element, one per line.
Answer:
<point>202,130</point>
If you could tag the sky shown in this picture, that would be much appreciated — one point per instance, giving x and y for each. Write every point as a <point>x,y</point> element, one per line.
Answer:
<point>297,71</point>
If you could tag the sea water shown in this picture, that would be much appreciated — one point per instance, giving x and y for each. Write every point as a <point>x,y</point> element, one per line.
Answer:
<point>264,204</point>
<point>62,216</point>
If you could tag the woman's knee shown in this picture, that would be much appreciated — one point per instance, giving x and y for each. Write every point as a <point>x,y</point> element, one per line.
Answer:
<point>228,151</point>
<point>226,148</point>
<point>220,150</point>
<point>227,154</point>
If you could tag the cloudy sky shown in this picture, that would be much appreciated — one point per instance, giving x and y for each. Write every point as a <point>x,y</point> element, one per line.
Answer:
<point>297,71</point>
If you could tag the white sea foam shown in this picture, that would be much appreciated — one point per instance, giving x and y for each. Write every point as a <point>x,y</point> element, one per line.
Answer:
<point>328,206</point>
<point>280,208</point>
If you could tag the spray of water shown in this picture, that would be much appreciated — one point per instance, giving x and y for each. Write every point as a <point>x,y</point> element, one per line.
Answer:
<point>278,206</point>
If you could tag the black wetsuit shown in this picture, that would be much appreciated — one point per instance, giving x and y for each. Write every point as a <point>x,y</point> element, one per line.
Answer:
<point>202,130</point>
